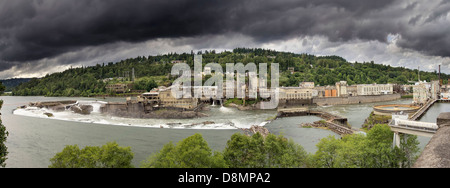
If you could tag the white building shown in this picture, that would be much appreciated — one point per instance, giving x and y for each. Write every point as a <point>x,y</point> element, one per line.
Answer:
<point>434,89</point>
<point>420,93</point>
<point>297,93</point>
<point>306,85</point>
<point>445,96</point>
<point>375,89</point>
<point>207,71</point>
<point>341,89</point>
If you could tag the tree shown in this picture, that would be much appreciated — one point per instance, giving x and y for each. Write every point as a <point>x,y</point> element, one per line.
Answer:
<point>402,79</point>
<point>145,84</point>
<point>327,152</point>
<point>284,153</point>
<point>2,88</point>
<point>110,155</point>
<point>244,152</point>
<point>259,152</point>
<point>192,152</point>
<point>409,148</point>
<point>324,70</point>
<point>360,151</point>
<point>3,136</point>
<point>379,146</point>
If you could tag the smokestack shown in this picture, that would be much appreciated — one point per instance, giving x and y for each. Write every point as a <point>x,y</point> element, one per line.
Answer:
<point>440,82</point>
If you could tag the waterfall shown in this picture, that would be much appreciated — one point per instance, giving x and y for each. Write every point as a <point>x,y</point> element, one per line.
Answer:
<point>95,105</point>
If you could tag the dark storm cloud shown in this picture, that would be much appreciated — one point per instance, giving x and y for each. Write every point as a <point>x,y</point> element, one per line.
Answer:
<point>429,34</point>
<point>53,27</point>
<point>33,30</point>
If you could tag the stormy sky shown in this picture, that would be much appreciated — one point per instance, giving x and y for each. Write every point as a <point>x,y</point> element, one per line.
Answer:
<point>44,36</point>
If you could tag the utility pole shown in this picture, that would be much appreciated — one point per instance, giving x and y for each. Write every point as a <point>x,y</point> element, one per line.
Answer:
<point>132,75</point>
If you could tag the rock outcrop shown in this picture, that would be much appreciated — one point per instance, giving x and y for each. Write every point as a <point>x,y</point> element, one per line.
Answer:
<point>53,105</point>
<point>254,129</point>
<point>60,106</point>
<point>137,110</point>
<point>82,109</point>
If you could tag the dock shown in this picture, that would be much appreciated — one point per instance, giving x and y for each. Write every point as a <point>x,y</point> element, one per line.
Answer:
<point>333,122</point>
<point>422,110</point>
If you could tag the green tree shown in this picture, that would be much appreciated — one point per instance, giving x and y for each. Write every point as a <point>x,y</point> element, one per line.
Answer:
<point>402,79</point>
<point>327,152</point>
<point>259,152</point>
<point>192,152</point>
<point>379,147</point>
<point>409,148</point>
<point>110,155</point>
<point>2,88</point>
<point>324,70</point>
<point>145,84</point>
<point>244,152</point>
<point>284,153</point>
<point>360,151</point>
<point>3,136</point>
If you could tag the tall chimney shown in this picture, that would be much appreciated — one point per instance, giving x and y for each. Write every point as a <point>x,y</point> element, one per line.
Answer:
<point>440,82</point>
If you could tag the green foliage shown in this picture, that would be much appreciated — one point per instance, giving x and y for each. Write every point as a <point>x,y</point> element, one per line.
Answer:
<point>256,152</point>
<point>145,84</point>
<point>10,84</point>
<point>110,155</point>
<point>241,152</point>
<point>407,96</point>
<point>324,70</point>
<point>374,119</point>
<point>3,135</point>
<point>192,152</point>
<point>373,150</point>
<point>234,100</point>
<point>2,88</point>
<point>361,151</point>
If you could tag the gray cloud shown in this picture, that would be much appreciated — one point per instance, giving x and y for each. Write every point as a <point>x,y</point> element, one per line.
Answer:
<point>32,31</point>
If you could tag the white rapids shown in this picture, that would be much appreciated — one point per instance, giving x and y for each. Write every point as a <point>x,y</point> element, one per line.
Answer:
<point>219,117</point>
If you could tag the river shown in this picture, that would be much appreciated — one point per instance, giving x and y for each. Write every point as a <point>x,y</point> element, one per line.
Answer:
<point>34,139</point>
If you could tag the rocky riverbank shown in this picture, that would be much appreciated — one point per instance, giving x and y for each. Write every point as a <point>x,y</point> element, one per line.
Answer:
<point>374,119</point>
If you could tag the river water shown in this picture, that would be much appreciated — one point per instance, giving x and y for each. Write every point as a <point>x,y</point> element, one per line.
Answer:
<point>35,138</point>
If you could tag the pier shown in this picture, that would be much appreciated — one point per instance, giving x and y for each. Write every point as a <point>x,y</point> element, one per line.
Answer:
<point>413,127</point>
<point>417,115</point>
<point>333,122</point>
<point>409,125</point>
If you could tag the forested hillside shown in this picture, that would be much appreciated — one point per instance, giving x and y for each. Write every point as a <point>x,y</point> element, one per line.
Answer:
<point>10,84</point>
<point>152,71</point>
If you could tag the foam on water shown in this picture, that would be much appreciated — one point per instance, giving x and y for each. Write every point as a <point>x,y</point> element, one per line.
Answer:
<point>95,105</point>
<point>225,109</point>
<point>223,118</point>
